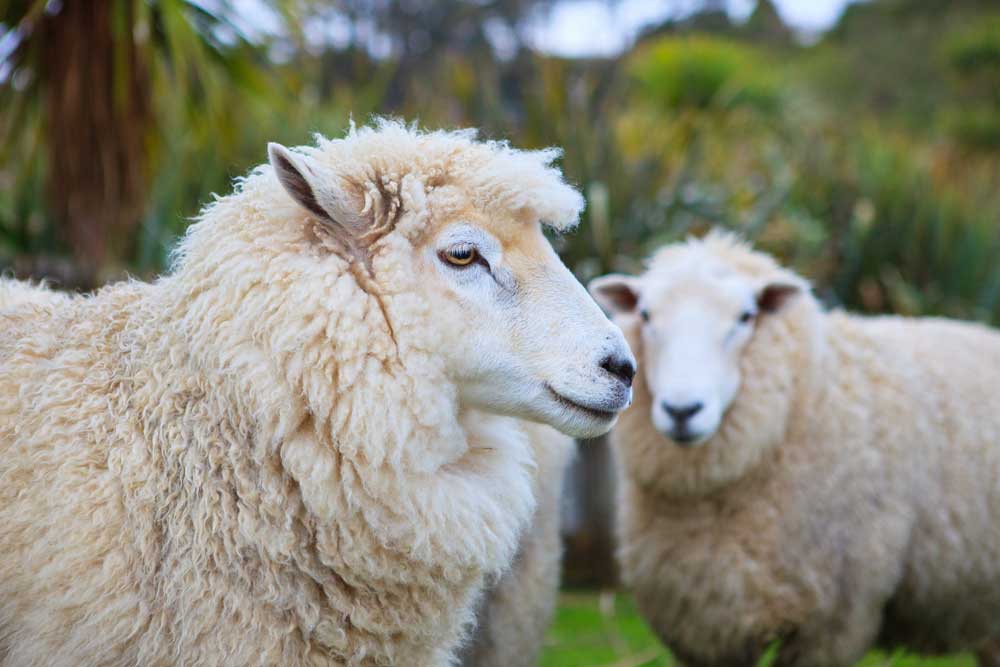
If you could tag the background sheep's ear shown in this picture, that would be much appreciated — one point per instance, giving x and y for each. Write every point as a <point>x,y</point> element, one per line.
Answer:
<point>305,181</point>
<point>773,296</point>
<point>615,293</point>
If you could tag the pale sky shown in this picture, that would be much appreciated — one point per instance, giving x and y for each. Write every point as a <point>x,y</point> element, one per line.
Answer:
<point>598,27</point>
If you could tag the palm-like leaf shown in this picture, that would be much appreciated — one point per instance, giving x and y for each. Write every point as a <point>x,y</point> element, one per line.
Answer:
<point>83,76</point>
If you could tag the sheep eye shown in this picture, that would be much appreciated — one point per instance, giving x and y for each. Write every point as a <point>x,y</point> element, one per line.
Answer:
<point>746,316</point>
<point>644,314</point>
<point>461,255</point>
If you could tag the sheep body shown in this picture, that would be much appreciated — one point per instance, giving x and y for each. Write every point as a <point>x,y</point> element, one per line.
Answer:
<point>243,463</point>
<point>849,498</point>
<point>515,611</point>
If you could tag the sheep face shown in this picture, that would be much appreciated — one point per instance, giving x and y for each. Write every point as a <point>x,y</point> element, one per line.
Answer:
<point>529,341</point>
<point>696,319</point>
<point>515,332</point>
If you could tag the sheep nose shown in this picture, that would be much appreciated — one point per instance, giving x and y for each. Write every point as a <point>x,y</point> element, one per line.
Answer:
<point>620,367</point>
<point>682,413</point>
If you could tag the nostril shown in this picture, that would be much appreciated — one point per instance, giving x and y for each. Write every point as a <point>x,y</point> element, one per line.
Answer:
<point>682,413</point>
<point>622,368</point>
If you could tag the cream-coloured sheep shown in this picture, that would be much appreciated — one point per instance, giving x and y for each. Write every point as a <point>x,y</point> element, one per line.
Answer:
<point>825,480</point>
<point>303,446</point>
<point>516,611</point>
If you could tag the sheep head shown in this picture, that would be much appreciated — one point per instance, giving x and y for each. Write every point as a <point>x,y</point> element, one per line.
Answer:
<point>455,224</point>
<point>721,334</point>
<point>696,322</point>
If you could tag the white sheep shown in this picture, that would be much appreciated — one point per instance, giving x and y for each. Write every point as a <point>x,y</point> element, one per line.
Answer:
<point>302,447</point>
<point>515,611</point>
<point>821,480</point>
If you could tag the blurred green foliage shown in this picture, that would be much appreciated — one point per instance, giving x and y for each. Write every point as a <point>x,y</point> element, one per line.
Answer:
<point>702,73</point>
<point>85,90</point>
<point>974,55</point>
<point>600,629</point>
<point>868,161</point>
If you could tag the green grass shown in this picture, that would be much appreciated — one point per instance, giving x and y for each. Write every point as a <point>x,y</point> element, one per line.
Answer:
<point>604,630</point>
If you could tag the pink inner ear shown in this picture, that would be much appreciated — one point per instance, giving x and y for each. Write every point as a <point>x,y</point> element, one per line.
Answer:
<point>621,296</point>
<point>774,296</point>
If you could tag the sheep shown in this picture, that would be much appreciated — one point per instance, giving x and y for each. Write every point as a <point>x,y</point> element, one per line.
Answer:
<point>516,611</point>
<point>820,480</point>
<point>302,446</point>
<point>514,615</point>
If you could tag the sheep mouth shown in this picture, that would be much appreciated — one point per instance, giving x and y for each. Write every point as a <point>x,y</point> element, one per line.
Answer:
<point>686,438</point>
<point>595,413</point>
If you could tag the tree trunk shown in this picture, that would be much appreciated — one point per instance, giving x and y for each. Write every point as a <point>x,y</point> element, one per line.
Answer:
<point>96,91</point>
<point>588,518</point>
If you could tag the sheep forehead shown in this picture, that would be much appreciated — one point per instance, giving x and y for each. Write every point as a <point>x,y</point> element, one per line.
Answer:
<point>697,279</point>
<point>510,185</point>
<point>451,204</point>
<point>717,249</point>
<point>521,241</point>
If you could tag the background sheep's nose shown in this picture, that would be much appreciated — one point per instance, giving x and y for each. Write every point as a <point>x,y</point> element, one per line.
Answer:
<point>681,413</point>
<point>621,367</point>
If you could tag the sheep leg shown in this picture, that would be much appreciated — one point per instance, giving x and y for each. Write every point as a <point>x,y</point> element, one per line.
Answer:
<point>746,659</point>
<point>989,655</point>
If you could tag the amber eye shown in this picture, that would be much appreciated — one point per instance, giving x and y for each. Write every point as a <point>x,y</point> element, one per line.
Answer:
<point>462,255</point>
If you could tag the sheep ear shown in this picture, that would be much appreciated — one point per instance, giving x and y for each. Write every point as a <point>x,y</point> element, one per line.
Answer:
<point>313,187</point>
<point>615,293</point>
<point>772,297</point>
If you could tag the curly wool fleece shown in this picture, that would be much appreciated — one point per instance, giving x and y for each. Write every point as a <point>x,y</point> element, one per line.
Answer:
<point>241,463</point>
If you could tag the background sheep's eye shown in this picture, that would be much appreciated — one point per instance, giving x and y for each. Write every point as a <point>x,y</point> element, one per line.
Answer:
<point>644,314</point>
<point>746,316</point>
<point>460,255</point>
